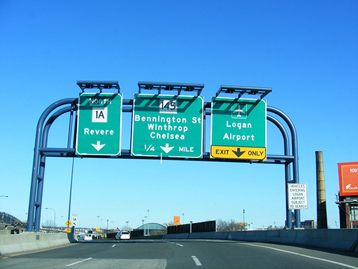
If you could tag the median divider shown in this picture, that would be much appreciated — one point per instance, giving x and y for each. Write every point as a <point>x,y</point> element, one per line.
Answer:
<point>343,239</point>
<point>178,236</point>
<point>71,236</point>
<point>30,241</point>
<point>220,235</point>
<point>338,239</point>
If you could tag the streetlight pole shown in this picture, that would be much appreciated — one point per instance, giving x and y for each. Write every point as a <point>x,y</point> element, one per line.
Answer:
<point>148,223</point>
<point>145,226</point>
<point>243,214</point>
<point>54,216</point>
<point>127,225</point>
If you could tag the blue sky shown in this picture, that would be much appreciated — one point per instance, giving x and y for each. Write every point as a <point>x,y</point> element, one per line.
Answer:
<point>306,51</point>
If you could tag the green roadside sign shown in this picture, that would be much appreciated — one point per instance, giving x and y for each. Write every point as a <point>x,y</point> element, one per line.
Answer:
<point>167,126</point>
<point>238,128</point>
<point>99,124</point>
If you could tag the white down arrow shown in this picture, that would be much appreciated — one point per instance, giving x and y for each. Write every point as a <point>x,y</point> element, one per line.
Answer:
<point>166,149</point>
<point>98,146</point>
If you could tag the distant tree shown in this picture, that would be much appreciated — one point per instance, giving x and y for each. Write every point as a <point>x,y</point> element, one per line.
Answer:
<point>228,226</point>
<point>170,223</point>
<point>48,223</point>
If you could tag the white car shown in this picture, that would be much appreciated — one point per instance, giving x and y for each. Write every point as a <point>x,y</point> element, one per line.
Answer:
<point>85,237</point>
<point>125,235</point>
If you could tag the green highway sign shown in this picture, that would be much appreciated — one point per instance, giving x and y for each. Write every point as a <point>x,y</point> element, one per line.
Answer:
<point>99,124</point>
<point>238,128</point>
<point>167,126</point>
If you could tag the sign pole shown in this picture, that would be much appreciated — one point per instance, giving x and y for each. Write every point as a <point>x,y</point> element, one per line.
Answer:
<point>70,198</point>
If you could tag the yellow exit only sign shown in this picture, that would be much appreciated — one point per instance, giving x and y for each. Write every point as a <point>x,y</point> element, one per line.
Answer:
<point>248,153</point>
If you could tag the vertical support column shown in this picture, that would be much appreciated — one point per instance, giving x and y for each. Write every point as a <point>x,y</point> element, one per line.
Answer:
<point>36,187</point>
<point>348,221</point>
<point>40,184</point>
<point>321,193</point>
<point>343,215</point>
<point>294,141</point>
<point>287,167</point>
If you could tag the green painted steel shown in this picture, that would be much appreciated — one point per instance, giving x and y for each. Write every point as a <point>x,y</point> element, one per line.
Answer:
<point>99,124</point>
<point>167,126</point>
<point>238,122</point>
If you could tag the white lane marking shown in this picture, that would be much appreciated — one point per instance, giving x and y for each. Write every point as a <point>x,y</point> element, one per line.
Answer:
<point>113,245</point>
<point>196,260</point>
<point>180,245</point>
<point>303,255</point>
<point>90,258</point>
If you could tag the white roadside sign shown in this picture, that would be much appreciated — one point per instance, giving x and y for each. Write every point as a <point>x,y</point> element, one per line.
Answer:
<point>297,196</point>
<point>74,219</point>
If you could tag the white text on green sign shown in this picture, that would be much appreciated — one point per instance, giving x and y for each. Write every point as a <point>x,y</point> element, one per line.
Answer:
<point>167,126</point>
<point>99,124</point>
<point>238,123</point>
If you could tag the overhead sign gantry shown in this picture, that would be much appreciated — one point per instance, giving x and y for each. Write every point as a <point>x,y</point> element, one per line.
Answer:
<point>164,126</point>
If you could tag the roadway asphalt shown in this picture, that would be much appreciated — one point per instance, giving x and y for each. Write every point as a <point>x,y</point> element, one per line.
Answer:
<point>180,254</point>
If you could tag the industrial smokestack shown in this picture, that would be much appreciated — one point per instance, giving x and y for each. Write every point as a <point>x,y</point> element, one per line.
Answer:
<point>321,193</point>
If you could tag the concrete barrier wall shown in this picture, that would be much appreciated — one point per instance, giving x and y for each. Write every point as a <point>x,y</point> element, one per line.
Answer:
<point>346,239</point>
<point>30,241</point>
